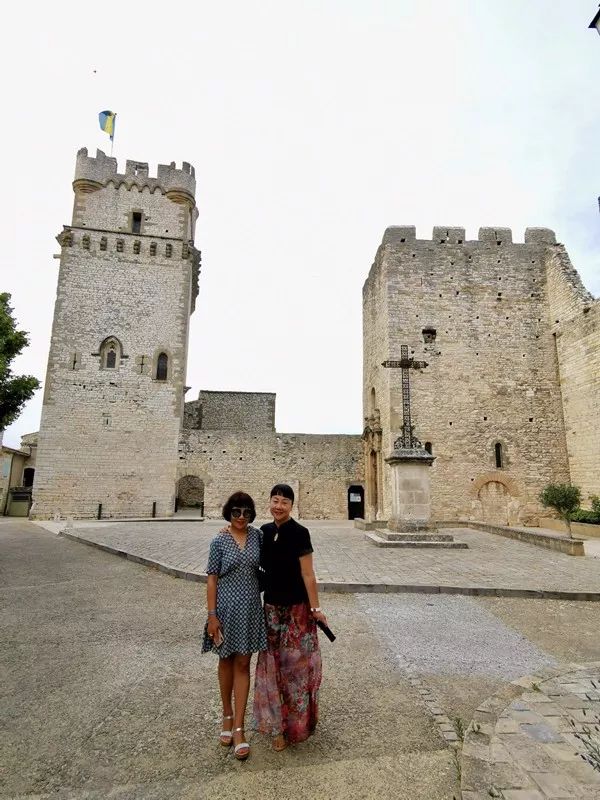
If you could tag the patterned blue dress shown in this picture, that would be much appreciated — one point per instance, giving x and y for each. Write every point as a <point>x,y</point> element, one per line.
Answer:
<point>239,608</point>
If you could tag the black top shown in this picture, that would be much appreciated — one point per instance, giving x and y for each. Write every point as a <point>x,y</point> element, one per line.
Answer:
<point>280,558</point>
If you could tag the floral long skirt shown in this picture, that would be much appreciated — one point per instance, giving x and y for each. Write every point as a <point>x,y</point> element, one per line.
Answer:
<point>288,674</point>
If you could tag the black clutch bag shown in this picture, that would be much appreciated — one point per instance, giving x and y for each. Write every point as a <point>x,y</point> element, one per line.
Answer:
<point>327,631</point>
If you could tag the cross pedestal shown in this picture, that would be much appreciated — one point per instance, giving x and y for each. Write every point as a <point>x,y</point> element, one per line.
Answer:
<point>411,489</point>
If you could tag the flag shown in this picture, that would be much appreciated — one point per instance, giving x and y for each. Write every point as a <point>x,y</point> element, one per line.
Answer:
<point>107,122</point>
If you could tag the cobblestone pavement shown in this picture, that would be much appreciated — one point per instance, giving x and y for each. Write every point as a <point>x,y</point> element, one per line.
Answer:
<point>343,559</point>
<point>538,745</point>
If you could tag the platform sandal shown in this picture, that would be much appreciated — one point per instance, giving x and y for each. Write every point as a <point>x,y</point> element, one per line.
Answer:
<point>242,750</point>
<point>226,737</point>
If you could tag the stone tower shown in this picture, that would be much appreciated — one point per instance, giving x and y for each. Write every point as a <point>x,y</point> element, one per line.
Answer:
<point>114,391</point>
<point>510,397</point>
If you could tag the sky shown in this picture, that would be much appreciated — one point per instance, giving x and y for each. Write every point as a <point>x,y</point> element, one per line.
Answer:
<point>312,127</point>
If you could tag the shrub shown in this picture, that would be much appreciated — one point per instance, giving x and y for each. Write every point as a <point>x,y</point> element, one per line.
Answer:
<point>563,498</point>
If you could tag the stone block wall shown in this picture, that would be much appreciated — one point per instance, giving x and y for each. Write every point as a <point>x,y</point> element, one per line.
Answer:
<point>574,317</point>
<point>242,411</point>
<point>478,313</point>
<point>110,435</point>
<point>320,468</point>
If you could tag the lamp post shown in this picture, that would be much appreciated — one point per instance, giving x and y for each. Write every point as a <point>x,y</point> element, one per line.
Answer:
<point>595,23</point>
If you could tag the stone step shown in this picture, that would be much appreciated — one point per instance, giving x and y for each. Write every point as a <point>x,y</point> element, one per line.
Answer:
<point>432,543</point>
<point>397,536</point>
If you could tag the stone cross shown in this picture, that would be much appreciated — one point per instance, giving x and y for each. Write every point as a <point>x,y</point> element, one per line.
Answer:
<point>408,440</point>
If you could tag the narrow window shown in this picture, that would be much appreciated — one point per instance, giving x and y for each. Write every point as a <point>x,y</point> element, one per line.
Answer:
<point>136,222</point>
<point>169,250</point>
<point>111,357</point>
<point>162,364</point>
<point>103,243</point>
<point>153,248</point>
<point>429,448</point>
<point>119,245</point>
<point>498,452</point>
<point>136,246</point>
<point>28,474</point>
<point>86,242</point>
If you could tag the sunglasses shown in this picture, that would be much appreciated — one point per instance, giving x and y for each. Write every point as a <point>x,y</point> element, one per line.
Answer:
<point>236,513</point>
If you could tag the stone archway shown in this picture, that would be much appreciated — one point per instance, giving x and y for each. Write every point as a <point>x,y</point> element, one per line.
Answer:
<point>190,492</point>
<point>495,500</point>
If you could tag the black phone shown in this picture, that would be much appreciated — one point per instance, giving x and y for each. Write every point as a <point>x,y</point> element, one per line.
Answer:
<point>327,631</point>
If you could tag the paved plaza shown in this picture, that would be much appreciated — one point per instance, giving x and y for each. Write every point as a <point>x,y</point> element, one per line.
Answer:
<point>344,560</point>
<point>106,695</point>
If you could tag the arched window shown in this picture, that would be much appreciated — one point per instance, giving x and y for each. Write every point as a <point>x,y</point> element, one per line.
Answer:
<point>162,367</point>
<point>498,453</point>
<point>373,401</point>
<point>110,353</point>
<point>429,448</point>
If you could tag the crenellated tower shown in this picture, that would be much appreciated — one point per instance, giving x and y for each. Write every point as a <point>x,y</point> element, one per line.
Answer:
<point>115,382</point>
<point>509,399</point>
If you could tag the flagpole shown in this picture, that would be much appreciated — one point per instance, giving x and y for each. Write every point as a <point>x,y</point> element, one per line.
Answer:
<point>112,138</point>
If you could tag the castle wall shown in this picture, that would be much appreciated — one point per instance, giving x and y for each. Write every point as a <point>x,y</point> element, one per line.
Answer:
<point>110,435</point>
<point>320,468</point>
<point>574,316</point>
<point>492,375</point>
<point>243,411</point>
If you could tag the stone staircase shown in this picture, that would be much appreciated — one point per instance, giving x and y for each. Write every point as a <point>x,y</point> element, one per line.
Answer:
<point>430,539</point>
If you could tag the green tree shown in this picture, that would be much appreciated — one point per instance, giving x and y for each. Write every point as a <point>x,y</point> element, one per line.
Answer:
<point>563,498</point>
<point>15,390</point>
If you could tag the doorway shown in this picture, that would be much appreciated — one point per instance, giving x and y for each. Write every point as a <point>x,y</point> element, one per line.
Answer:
<point>356,502</point>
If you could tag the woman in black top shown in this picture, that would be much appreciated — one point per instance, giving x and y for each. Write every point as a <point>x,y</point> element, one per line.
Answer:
<point>288,673</point>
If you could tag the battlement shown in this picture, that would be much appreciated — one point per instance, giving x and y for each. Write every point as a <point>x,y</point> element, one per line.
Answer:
<point>96,172</point>
<point>407,234</point>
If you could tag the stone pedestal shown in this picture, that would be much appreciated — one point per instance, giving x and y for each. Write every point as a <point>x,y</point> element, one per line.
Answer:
<point>411,489</point>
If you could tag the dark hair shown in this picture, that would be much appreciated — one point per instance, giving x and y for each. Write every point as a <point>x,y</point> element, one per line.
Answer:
<point>283,490</point>
<point>239,500</point>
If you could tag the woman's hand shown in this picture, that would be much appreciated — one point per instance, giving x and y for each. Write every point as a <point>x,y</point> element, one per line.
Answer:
<point>319,615</point>
<point>213,627</point>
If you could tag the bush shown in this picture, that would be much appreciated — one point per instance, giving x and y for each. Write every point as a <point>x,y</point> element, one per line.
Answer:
<point>583,515</point>
<point>563,498</point>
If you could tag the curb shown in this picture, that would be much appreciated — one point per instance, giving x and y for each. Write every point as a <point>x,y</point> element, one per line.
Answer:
<point>350,587</point>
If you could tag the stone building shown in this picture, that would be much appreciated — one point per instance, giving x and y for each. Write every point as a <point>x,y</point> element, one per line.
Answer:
<point>510,397</point>
<point>508,401</point>
<point>229,442</point>
<point>114,391</point>
<point>116,438</point>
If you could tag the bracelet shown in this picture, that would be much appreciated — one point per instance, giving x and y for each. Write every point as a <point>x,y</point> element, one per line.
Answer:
<point>212,613</point>
<point>318,608</point>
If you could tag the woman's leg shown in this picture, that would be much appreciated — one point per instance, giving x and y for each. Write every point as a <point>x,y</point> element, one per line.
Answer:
<point>226,687</point>
<point>241,687</point>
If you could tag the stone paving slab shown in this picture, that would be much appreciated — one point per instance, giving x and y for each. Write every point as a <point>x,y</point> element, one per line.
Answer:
<point>533,746</point>
<point>344,561</point>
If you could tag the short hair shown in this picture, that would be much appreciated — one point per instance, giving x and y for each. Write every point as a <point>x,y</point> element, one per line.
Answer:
<point>239,500</point>
<point>283,490</point>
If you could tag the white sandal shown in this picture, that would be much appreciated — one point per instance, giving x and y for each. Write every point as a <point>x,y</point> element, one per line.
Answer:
<point>226,737</point>
<point>241,746</point>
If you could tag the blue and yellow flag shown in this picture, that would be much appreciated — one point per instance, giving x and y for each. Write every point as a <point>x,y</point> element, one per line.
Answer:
<point>107,122</point>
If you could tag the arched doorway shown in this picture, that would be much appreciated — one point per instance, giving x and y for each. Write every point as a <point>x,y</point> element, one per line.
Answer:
<point>190,492</point>
<point>356,502</point>
<point>495,499</point>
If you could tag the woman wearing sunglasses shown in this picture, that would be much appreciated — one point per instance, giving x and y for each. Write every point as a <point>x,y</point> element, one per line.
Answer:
<point>236,625</point>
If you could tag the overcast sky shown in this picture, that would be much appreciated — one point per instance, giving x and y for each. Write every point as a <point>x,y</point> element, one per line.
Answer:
<point>312,127</point>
